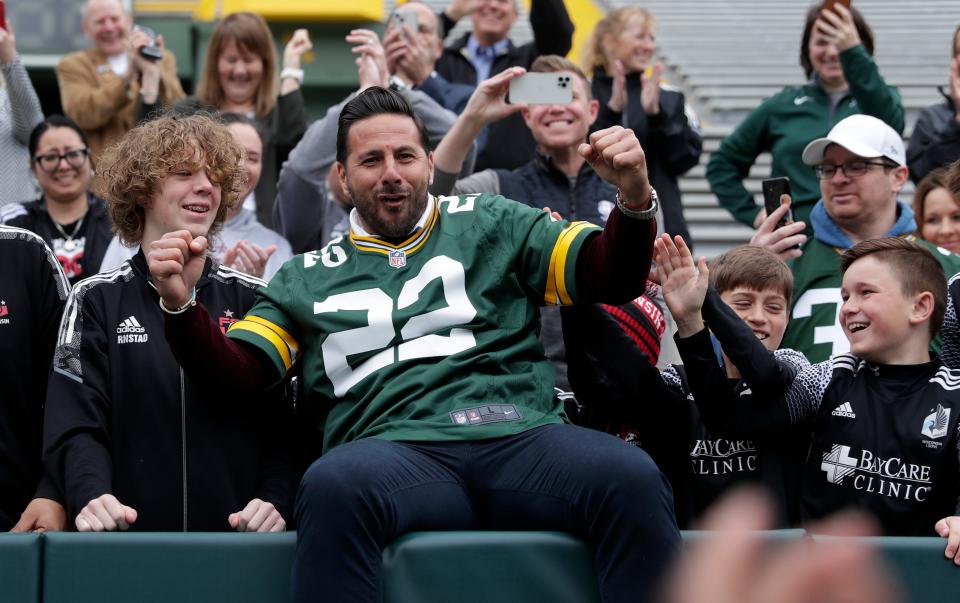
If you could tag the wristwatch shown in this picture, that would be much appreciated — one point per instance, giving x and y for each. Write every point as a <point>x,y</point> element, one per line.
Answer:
<point>397,84</point>
<point>640,214</point>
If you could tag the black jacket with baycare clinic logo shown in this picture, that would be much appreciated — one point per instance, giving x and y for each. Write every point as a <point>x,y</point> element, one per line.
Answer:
<point>123,418</point>
<point>33,290</point>
<point>885,441</point>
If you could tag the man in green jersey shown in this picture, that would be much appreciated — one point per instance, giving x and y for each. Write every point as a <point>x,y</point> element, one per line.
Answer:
<point>861,165</point>
<point>417,340</point>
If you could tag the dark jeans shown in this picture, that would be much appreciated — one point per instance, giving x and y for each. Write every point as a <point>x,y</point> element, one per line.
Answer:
<point>359,497</point>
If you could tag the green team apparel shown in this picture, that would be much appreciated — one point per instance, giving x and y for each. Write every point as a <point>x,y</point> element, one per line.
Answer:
<point>785,123</point>
<point>434,339</point>
<point>814,327</point>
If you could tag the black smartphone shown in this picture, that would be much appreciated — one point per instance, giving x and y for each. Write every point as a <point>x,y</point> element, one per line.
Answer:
<point>773,189</point>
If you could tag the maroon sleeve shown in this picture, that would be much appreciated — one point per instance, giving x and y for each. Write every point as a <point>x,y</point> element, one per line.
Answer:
<point>612,268</point>
<point>207,355</point>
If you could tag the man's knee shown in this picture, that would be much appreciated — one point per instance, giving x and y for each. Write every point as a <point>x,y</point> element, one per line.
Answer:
<point>344,475</point>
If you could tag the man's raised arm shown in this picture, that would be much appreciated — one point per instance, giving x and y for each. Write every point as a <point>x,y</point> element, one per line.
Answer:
<point>200,347</point>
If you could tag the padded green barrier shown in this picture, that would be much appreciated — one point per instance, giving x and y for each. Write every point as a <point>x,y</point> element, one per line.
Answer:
<point>480,567</point>
<point>159,568</point>
<point>924,573</point>
<point>772,536</point>
<point>20,568</point>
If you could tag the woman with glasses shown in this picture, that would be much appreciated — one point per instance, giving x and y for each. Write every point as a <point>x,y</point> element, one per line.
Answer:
<point>836,53</point>
<point>71,219</point>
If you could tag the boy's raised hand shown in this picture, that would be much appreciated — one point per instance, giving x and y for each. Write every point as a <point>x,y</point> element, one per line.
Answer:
<point>684,282</point>
<point>949,528</point>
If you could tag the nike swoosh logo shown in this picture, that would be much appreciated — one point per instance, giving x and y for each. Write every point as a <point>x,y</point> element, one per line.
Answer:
<point>800,100</point>
<point>508,412</point>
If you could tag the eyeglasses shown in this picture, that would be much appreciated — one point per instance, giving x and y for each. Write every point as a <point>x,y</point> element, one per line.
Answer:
<point>51,161</point>
<point>852,169</point>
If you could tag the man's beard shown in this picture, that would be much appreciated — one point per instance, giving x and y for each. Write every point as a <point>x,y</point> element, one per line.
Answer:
<point>369,209</point>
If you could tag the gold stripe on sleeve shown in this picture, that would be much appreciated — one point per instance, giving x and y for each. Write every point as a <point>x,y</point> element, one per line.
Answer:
<point>287,337</point>
<point>556,281</point>
<point>269,335</point>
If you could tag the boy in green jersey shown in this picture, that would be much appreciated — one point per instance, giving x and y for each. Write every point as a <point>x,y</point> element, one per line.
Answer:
<point>416,335</point>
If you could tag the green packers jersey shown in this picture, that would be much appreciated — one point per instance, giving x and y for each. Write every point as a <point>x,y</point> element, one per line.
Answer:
<point>429,340</point>
<point>814,327</point>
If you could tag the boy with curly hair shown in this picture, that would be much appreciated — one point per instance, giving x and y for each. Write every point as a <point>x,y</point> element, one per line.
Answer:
<point>133,441</point>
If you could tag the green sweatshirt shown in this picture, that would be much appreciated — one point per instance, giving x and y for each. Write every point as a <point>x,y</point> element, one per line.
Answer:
<point>785,123</point>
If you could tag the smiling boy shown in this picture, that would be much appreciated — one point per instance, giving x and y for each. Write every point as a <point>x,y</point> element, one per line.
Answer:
<point>134,442</point>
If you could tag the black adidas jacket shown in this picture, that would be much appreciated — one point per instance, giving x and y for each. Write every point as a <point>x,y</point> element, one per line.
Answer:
<point>33,290</point>
<point>123,418</point>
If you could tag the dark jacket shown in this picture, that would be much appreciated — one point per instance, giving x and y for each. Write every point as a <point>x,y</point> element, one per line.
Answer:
<point>449,95</point>
<point>539,184</point>
<point>122,417</point>
<point>935,141</point>
<point>33,290</point>
<point>96,232</point>
<point>509,142</point>
<point>671,141</point>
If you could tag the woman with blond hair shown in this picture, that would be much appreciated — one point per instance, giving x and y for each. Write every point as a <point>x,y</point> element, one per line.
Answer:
<point>239,75</point>
<point>626,82</point>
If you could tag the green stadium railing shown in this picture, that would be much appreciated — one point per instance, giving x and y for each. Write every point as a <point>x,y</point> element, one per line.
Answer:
<point>20,568</point>
<point>924,574</point>
<point>423,567</point>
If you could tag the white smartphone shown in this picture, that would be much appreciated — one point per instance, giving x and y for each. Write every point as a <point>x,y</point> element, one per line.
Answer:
<point>408,19</point>
<point>542,89</point>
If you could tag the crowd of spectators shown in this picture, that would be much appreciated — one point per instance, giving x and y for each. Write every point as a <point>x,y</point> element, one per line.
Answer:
<point>472,274</point>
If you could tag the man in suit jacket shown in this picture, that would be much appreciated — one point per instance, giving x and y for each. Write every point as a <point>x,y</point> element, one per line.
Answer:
<point>100,87</point>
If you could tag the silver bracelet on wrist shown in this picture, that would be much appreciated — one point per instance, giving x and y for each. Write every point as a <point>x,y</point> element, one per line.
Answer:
<point>296,74</point>
<point>190,303</point>
<point>640,214</point>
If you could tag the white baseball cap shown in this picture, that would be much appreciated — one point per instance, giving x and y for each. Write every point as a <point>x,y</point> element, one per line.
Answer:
<point>862,135</point>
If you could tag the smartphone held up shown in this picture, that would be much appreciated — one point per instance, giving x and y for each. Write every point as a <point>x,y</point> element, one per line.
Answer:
<point>774,190</point>
<point>542,89</point>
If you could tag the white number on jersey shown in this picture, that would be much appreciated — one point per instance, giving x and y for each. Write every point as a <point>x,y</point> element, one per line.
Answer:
<point>832,334</point>
<point>419,332</point>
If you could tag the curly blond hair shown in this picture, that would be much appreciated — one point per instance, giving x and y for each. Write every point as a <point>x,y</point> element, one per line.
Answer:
<point>131,170</point>
<point>612,26</point>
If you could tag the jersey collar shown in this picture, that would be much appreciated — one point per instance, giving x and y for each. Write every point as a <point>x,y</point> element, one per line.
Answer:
<point>365,241</point>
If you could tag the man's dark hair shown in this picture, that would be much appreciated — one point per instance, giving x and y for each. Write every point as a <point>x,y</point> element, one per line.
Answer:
<point>864,31</point>
<point>375,101</point>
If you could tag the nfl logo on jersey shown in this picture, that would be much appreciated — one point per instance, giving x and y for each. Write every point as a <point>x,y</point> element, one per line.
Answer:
<point>398,258</point>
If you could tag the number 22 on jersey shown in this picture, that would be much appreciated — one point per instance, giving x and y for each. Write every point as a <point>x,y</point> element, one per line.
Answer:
<point>419,333</point>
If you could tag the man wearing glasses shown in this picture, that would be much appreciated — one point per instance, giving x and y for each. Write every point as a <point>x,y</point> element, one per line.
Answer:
<point>862,168</point>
